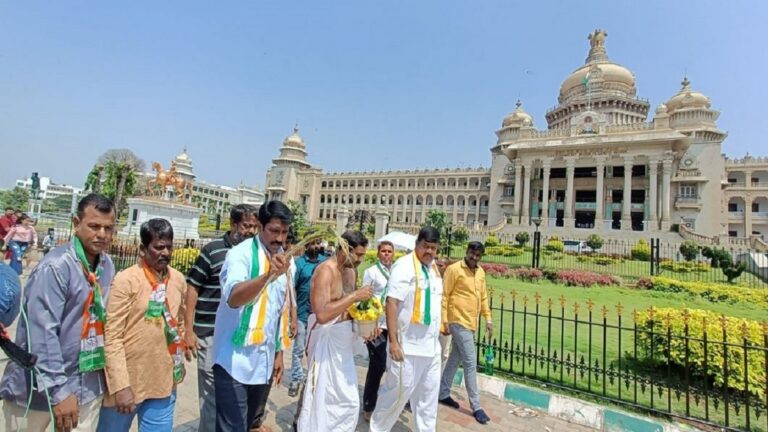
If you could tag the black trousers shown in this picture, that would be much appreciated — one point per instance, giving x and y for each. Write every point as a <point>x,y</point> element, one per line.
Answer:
<point>239,407</point>
<point>377,364</point>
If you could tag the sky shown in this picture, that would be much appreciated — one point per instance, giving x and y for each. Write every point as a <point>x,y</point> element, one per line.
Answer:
<point>373,85</point>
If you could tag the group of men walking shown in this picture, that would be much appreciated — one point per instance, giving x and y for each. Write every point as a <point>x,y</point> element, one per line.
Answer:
<point>113,347</point>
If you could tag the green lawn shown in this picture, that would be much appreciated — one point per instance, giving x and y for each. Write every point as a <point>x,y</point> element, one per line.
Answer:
<point>627,269</point>
<point>534,346</point>
<point>575,352</point>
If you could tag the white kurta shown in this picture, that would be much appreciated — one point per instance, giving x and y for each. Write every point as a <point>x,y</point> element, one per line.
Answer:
<point>331,401</point>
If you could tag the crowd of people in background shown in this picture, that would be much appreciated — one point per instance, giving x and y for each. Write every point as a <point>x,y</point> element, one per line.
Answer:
<point>113,346</point>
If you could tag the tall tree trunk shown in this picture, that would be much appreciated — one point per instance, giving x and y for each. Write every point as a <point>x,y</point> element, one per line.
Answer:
<point>123,173</point>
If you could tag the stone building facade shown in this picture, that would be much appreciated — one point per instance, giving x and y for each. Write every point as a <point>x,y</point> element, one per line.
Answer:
<point>601,165</point>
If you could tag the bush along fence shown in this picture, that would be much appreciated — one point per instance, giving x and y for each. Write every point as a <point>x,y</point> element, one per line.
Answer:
<point>126,253</point>
<point>687,364</point>
<point>627,259</point>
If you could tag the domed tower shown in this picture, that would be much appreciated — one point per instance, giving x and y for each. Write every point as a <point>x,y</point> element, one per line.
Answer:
<point>184,166</point>
<point>601,86</point>
<point>702,165</point>
<point>284,176</point>
<point>514,126</point>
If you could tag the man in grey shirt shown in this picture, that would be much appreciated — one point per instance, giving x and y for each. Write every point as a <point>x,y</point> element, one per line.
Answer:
<point>68,285</point>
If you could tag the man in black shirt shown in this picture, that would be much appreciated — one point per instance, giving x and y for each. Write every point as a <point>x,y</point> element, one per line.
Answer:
<point>202,301</point>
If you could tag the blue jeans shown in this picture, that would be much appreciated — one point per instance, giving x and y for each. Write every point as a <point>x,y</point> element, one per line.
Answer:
<point>17,253</point>
<point>155,415</point>
<point>297,371</point>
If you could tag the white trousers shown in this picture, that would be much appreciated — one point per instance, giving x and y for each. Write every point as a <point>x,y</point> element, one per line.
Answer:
<point>40,421</point>
<point>416,379</point>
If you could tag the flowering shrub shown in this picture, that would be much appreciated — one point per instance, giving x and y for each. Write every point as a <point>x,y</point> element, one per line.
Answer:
<point>584,278</point>
<point>183,259</point>
<point>495,270</point>
<point>685,266</point>
<point>714,292</point>
<point>641,251</point>
<point>507,251</point>
<point>528,274</point>
<point>645,283</point>
<point>372,255</point>
<point>699,322</point>
<point>554,245</point>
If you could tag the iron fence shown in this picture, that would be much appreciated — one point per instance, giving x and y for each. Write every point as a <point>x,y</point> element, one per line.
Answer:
<point>625,258</point>
<point>710,371</point>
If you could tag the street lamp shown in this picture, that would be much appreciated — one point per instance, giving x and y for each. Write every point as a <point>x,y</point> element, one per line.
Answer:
<point>536,243</point>
<point>449,232</point>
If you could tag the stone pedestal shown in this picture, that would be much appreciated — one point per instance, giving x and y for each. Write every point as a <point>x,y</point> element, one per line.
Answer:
<point>342,219</point>
<point>382,221</point>
<point>35,206</point>
<point>184,218</point>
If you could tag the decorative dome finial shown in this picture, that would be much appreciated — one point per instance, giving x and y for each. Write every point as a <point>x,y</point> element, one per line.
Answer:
<point>685,83</point>
<point>597,46</point>
<point>518,104</point>
<point>296,127</point>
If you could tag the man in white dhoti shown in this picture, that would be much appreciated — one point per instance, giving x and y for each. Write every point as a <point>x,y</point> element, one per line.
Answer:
<point>414,296</point>
<point>330,401</point>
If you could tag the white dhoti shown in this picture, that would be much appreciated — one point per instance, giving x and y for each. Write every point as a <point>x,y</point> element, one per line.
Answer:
<point>331,401</point>
<point>415,379</point>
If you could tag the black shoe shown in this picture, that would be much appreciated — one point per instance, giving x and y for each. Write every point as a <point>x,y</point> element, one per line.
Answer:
<point>293,389</point>
<point>449,402</point>
<point>481,416</point>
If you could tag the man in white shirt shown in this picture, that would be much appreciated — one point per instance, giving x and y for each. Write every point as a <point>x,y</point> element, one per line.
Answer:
<point>250,328</point>
<point>414,296</point>
<point>377,277</point>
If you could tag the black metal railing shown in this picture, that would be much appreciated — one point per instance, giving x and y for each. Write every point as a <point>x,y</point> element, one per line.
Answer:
<point>663,362</point>
<point>628,259</point>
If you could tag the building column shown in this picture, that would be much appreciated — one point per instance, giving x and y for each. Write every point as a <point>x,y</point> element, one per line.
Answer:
<point>455,209</point>
<point>382,221</point>
<point>747,179</point>
<point>570,166</point>
<point>600,192</point>
<point>626,204</point>
<point>545,195</point>
<point>747,216</point>
<point>518,192</point>
<point>526,208</point>
<point>666,186</point>
<point>653,176</point>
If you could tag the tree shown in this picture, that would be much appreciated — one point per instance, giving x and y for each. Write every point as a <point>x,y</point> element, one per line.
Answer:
<point>689,250</point>
<point>18,198</point>
<point>114,175</point>
<point>299,224</point>
<point>60,204</point>
<point>459,236</point>
<point>522,238</point>
<point>438,219</point>
<point>595,242</point>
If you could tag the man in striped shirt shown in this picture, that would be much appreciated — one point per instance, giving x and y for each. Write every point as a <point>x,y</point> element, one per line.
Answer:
<point>202,301</point>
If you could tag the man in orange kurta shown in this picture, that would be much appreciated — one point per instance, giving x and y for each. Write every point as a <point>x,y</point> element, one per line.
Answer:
<point>143,339</point>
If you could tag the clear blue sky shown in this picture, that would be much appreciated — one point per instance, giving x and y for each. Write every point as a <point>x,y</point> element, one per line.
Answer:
<point>373,84</point>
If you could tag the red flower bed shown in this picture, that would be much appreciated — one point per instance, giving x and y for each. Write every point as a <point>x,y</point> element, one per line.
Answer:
<point>584,278</point>
<point>528,274</point>
<point>495,270</point>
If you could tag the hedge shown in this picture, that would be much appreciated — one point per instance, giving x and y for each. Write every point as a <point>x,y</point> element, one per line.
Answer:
<point>507,251</point>
<point>183,259</point>
<point>685,266</point>
<point>714,292</point>
<point>715,351</point>
<point>371,255</point>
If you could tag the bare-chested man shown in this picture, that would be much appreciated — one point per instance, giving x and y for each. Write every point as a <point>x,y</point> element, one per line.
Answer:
<point>330,401</point>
